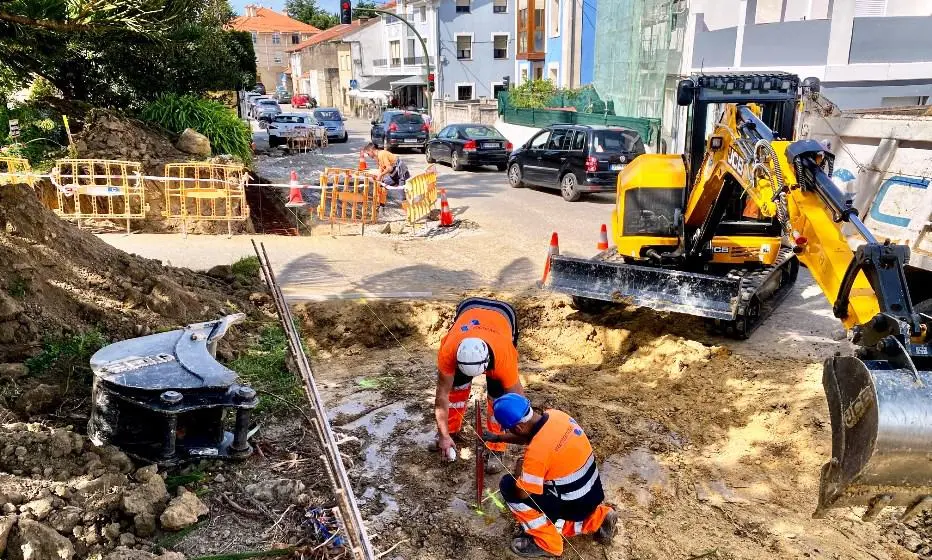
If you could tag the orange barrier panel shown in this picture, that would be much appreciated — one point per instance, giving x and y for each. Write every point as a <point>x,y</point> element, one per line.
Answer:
<point>99,189</point>
<point>420,195</point>
<point>349,196</point>
<point>16,170</point>
<point>205,191</point>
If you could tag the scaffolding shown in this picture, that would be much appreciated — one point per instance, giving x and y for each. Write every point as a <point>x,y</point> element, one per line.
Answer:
<point>639,43</point>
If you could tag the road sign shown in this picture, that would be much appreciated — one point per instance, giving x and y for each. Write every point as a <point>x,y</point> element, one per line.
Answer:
<point>353,84</point>
<point>14,128</point>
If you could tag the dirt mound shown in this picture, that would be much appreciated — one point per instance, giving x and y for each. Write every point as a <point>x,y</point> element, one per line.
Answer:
<point>108,135</point>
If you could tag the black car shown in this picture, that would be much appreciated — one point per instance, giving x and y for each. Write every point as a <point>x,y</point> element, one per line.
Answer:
<point>399,129</point>
<point>574,158</point>
<point>469,144</point>
<point>259,88</point>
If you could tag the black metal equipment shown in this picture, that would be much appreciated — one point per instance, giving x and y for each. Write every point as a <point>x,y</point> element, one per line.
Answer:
<point>164,398</point>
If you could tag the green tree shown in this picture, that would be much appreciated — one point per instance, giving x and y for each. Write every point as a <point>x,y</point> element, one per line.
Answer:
<point>361,9</point>
<point>309,12</point>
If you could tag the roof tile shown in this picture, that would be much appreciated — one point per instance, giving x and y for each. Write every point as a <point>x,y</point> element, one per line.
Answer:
<point>267,20</point>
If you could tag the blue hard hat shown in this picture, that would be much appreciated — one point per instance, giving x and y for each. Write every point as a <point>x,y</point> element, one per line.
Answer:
<point>511,409</point>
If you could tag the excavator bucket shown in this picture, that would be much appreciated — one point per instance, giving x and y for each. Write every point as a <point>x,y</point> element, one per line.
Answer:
<point>881,437</point>
<point>662,289</point>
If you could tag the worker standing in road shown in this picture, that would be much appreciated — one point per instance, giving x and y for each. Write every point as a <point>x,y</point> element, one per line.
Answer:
<point>392,170</point>
<point>482,340</point>
<point>558,491</point>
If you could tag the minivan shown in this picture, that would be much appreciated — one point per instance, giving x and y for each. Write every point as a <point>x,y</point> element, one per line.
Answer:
<point>400,129</point>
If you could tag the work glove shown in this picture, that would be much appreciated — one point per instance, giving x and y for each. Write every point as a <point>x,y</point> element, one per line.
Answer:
<point>489,437</point>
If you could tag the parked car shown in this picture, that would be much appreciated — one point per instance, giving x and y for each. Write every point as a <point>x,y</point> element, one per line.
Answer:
<point>574,158</point>
<point>286,125</point>
<point>331,119</point>
<point>265,109</point>
<point>259,88</point>
<point>469,144</point>
<point>282,95</point>
<point>250,100</point>
<point>300,100</point>
<point>399,129</point>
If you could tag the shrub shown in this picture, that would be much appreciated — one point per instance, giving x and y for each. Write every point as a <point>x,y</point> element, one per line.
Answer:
<point>226,132</point>
<point>532,94</point>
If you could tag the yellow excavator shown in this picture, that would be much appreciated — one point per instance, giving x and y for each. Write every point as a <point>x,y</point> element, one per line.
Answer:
<point>719,232</point>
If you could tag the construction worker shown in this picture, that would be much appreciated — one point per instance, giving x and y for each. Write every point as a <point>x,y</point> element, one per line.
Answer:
<point>558,491</point>
<point>482,340</point>
<point>392,170</point>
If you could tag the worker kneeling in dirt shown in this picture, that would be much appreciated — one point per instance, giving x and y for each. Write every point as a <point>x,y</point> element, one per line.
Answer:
<point>558,492</point>
<point>482,340</point>
<point>392,170</point>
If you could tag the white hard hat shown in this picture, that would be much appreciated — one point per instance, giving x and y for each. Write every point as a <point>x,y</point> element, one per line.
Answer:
<point>472,356</point>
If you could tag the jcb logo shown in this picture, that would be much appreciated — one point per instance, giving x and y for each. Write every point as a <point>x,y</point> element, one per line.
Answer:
<point>735,161</point>
<point>858,407</point>
<point>721,249</point>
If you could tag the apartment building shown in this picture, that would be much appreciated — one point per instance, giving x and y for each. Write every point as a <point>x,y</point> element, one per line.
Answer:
<point>272,33</point>
<point>570,41</point>
<point>320,66</point>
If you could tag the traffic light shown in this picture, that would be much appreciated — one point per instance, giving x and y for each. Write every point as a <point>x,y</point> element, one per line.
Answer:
<point>346,12</point>
<point>430,83</point>
<point>506,82</point>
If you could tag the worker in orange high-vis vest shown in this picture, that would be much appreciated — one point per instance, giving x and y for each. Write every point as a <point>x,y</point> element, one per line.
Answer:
<point>558,492</point>
<point>482,340</point>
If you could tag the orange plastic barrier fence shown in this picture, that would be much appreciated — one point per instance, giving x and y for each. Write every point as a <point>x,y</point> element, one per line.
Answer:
<point>16,170</point>
<point>99,189</point>
<point>420,194</point>
<point>205,191</point>
<point>349,196</point>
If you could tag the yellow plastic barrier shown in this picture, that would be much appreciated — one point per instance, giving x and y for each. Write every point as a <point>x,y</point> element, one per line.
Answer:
<point>16,170</point>
<point>420,194</point>
<point>349,196</point>
<point>99,189</point>
<point>205,191</point>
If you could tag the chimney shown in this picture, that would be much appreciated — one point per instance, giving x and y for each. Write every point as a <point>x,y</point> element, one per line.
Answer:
<point>251,10</point>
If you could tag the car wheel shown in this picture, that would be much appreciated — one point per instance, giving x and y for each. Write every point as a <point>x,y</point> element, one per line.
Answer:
<point>501,166</point>
<point>514,176</point>
<point>345,137</point>
<point>428,156</point>
<point>569,188</point>
<point>455,162</point>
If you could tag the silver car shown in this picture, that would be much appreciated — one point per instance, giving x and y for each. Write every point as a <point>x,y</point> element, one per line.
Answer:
<point>287,125</point>
<point>265,109</point>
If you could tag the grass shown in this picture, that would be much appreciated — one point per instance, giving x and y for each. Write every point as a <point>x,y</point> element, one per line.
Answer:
<point>264,367</point>
<point>67,355</point>
<point>18,287</point>
<point>246,269</point>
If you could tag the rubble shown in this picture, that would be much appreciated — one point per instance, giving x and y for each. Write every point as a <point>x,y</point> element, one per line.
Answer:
<point>278,491</point>
<point>34,541</point>
<point>183,511</point>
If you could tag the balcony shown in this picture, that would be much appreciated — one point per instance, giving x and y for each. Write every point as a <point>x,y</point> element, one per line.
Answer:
<point>414,60</point>
<point>380,62</point>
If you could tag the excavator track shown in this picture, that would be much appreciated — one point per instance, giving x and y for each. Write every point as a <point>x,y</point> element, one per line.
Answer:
<point>760,292</point>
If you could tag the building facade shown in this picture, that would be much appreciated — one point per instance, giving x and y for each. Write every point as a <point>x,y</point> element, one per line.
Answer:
<point>570,47</point>
<point>320,66</point>
<point>868,53</point>
<point>531,48</point>
<point>272,34</point>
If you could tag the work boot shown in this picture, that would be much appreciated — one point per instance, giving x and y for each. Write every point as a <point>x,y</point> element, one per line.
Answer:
<point>525,547</point>
<point>494,462</point>
<point>607,531</point>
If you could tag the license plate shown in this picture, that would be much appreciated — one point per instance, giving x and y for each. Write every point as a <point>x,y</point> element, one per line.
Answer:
<point>617,166</point>
<point>411,140</point>
<point>491,145</point>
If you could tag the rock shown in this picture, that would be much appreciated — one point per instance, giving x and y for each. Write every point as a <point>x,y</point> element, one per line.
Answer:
<point>65,520</point>
<point>8,508</point>
<point>146,473</point>
<point>193,142</point>
<point>40,508</point>
<point>278,490</point>
<point>259,298</point>
<point>182,511</point>
<point>60,444</point>
<point>111,531</point>
<point>146,498</point>
<point>220,479</point>
<point>13,371</point>
<point>124,553</point>
<point>35,541</point>
<point>40,398</point>
<point>127,539</point>
<point>6,524</point>
<point>9,307</point>
<point>145,524</point>
<point>221,271</point>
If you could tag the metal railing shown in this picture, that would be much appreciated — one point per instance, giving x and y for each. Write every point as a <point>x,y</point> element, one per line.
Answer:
<point>380,62</point>
<point>412,60</point>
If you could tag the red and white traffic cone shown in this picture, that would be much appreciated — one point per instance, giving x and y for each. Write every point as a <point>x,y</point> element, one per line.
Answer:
<point>602,245</point>
<point>552,251</point>
<point>294,194</point>
<point>362,162</point>
<point>446,216</point>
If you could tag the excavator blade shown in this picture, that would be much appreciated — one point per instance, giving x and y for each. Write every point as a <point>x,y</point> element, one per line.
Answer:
<point>881,437</point>
<point>703,295</point>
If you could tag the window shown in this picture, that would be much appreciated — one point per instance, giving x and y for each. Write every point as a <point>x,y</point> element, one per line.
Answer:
<point>496,89</point>
<point>482,132</point>
<point>557,138</point>
<point>295,38</point>
<point>276,38</point>
<point>422,12</point>
<point>394,51</point>
<point>412,52</point>
<point>902,101</point>
<point>499,6</point>
<point>522,42</point>
<point>870,8</point>
<point>523,75</point>
<point>539,141</point>
<point>538,30</point>
<point>617,140</point>
<point>579,143</point>
<point>327,115</point>
<point>464,93</point>
<point>554,18</point>
<point>408,119</point>
<point>499,46</point>
<point>462,6</point>
<point>539,73</point>
<point>553,74</point>
<point>447,132</point>
<point>277,59</point>
<point>255,37</point>
<point>464,47</point>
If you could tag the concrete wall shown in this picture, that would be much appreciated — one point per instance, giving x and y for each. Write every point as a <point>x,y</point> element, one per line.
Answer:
<point>449,112</point>
<point>886,39</point>
<point>714,48</point>
<point>482,70</point>
<point>367,45</point>
<point>792,42</point>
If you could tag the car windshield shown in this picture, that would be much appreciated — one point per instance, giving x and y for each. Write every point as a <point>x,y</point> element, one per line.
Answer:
<point>408,118</point>
<point>268,102</point>
<point>617,141</point>
<point>289,119</point>
<point>482,132</point>
<point>327,115</point>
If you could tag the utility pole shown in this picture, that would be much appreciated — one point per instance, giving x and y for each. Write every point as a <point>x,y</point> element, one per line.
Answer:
<point>430,107</point>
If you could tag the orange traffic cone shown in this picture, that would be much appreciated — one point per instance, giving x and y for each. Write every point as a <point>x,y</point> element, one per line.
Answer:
<point>362,162</point>
<point>294,195</point>
<point>553,251</point>
<point>446,216</point>
<point>603,239</point>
